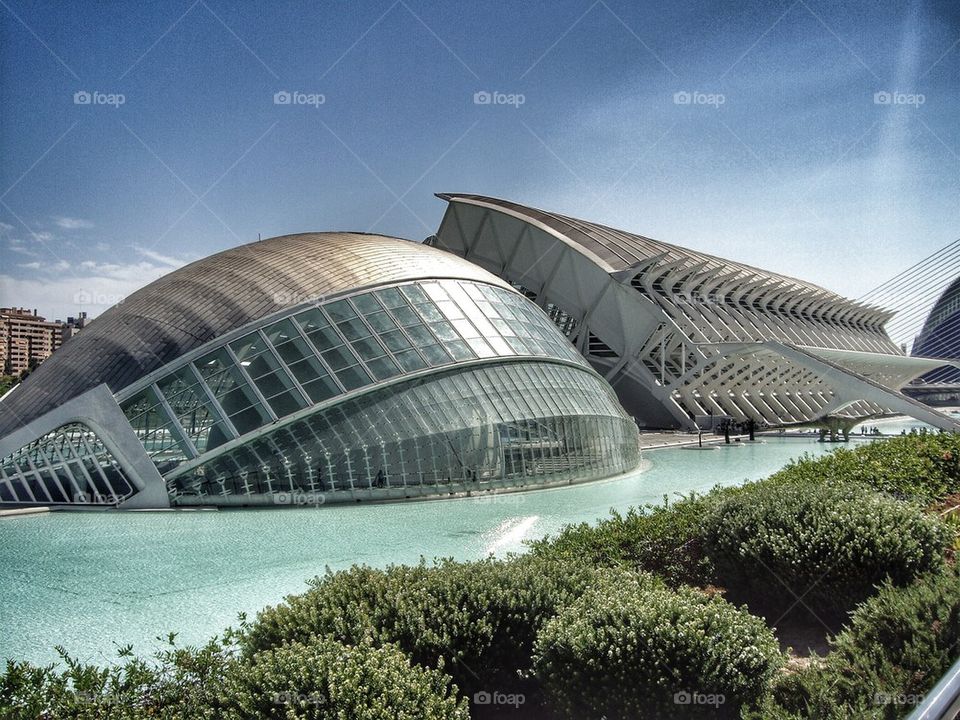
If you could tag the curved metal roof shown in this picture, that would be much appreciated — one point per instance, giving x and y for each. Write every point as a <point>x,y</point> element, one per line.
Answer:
<point>209,297</point>
<point>617,250</point>
<point>940,336</point>
<point>947,305</point>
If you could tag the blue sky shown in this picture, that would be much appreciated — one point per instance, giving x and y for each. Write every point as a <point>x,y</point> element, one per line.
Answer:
<point>785,156</point>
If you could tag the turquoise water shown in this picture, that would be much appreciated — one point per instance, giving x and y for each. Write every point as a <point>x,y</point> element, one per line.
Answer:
<point>89,580</point>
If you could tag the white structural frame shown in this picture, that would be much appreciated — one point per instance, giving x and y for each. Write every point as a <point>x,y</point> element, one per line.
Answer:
<point>680,334</point>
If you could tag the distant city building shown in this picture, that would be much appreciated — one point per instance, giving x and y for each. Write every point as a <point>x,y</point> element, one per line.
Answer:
<point>73,325</point>
<point>685,337</point>
<point>26,339</point>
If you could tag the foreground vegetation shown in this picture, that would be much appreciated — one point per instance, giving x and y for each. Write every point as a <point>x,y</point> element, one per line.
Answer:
<point>670,611</point>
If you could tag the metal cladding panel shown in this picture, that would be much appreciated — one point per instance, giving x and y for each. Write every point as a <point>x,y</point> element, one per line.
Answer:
<point>212,296</point>
<point>621,250</point>
<point>938,336</point>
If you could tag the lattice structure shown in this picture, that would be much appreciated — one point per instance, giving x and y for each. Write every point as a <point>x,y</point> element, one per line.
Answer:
<point>681,334</point>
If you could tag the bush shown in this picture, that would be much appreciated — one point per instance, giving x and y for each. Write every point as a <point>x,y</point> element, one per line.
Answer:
<point>902,640</point>
<point>481,618</point>
<point>326,679</point>
<point>827,545</point>
<point>637,649</point>
<point>925,468</point>
<point>662,539</point>
<point>179,684</point>
<point>894,649</point>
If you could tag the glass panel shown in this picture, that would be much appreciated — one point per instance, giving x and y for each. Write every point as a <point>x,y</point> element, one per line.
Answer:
<point>429,312</point>
<point>480,348</point>
<point>353,377</point>
<point>410,360</point>
<point>518,345</point>
<point>178,382</point>
<point>487,309</point>
<point>322,388</point>
<point>381,322</point>
<point>368,348</point>
<point>311,320</point>
<point>225,381</point>
<point>325,337</point>
<point>249,419</point>
<point>466,328</point>
<point>504,327</point>
<point>248,346</point>
<point>472,290</point>
<point>444,331</point>
<point>307,370</point>
<point>365,303</point>
<point>434,290</point>
<point>353,329</point>
<point>499,346</point>
<point>395,340</point>
<point>415,293</point>
<point>273,383</point>
<point>406,316</point>
<point>390,297</point>
<point>260,364</point>
<point>459,350</point>
<point>435,354</point>
<point>294,351</point>
<point>450,310</point>
<point>280,332</point>
<point>338,358</point>
<point>213,363</point>
<point>420,335</point>
<point>286,403</point>
<point>240,398</point>
<point>383,368</point>
<point>340,310</point>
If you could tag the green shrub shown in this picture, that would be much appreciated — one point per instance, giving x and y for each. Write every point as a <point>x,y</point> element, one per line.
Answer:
<point>481,618</point>
<point>902,640</point>
<point>178,684</point>
<point>925,468</point>
<point>662,539</point>
<point>894,649</point>
<point>637,649</point>
<point>828,545</point>
<point>325,679</point>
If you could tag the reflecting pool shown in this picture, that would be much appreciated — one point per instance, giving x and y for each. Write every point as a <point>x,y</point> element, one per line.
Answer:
<point>89,580</point>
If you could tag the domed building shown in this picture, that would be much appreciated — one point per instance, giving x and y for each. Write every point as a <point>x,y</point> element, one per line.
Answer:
<point>308,369</point>
<point>940,336</point>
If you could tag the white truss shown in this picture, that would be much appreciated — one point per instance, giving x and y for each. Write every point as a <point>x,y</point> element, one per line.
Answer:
<point>681,334</point>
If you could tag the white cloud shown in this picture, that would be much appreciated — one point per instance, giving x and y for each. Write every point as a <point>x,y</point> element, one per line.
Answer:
<point>69,223</point>
<point>59,290</point>
<point>167,260</point>
<point>16,245</point>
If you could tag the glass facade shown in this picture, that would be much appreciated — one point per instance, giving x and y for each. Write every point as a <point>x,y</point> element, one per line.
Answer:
<point>495,425</point>
<point>330,349</point>
<point>419,388</point>
<point>69,465</point>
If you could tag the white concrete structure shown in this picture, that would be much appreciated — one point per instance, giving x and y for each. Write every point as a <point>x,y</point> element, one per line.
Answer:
<point>311,369</point>
<point>683,336</point>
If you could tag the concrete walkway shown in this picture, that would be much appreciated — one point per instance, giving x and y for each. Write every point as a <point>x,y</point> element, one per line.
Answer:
<point>668,439</point>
